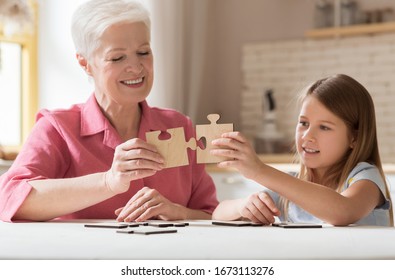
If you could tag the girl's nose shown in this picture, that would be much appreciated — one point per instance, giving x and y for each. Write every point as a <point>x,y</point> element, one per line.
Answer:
<point>308,135</point>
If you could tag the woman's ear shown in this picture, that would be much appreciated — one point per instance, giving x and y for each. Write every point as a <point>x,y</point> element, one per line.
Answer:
<point>83,62</point>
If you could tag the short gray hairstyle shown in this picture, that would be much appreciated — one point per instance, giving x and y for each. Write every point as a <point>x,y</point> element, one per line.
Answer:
<point>92,18</point>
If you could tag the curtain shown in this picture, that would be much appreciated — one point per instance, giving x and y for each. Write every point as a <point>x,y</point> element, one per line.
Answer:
<point>178,36</point>
<point>197,18</point>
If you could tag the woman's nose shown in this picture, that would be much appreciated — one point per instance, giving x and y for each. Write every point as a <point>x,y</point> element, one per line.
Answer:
<point>134,68</point>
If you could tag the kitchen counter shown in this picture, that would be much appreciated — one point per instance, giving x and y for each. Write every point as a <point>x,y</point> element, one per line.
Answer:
<point>284,163</point>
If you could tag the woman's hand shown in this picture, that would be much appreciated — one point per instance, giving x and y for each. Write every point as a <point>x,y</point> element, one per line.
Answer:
<point>259,208</point>
<point>238,152</point>
<point>149,204</point>
<point>133,159</point>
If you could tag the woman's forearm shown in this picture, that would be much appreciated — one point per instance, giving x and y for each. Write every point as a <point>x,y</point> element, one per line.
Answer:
<point>52,198</point>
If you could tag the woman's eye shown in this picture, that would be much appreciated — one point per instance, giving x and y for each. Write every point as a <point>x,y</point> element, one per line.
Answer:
<point>116,59</point>
<point>143,53</point>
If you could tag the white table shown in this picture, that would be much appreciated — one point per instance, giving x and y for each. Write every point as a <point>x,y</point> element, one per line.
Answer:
<point>200,240</point>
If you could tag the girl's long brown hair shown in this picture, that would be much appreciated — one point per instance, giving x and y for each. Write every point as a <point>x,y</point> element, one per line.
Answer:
<point>350,101</point>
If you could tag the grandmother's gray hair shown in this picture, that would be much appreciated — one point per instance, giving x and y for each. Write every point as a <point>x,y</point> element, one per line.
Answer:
<point>92,18</point>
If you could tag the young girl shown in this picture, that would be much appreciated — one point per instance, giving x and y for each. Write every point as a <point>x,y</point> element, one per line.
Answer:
<point>341,180</point>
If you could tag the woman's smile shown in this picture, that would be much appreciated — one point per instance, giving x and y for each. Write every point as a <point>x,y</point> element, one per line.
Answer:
<point>134,83</point>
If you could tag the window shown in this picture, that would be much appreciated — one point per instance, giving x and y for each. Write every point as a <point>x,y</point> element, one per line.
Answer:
<point>10,93</point>
<point>18,86</point>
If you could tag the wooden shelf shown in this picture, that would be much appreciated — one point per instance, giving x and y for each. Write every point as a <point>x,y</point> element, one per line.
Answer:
<point>353,30</point>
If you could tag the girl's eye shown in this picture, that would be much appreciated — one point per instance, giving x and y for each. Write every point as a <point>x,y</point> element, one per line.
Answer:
<point>323,127</point>
<point>303,123</point>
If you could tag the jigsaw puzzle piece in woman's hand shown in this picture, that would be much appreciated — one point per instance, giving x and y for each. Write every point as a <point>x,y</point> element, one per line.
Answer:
<point>174,149</point>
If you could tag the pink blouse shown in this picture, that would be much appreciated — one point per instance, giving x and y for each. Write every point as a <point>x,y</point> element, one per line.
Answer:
<point>80,141</point>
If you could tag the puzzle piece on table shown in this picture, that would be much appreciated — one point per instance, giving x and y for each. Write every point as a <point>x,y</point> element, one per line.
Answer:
<point>210,132</point>
<point>297,225</point>
<point>174,150</point>
<point>160,224</point>
<point>148,231</point>
<point>167,224</point>
<point>107,225</point>
<point>237,223</point>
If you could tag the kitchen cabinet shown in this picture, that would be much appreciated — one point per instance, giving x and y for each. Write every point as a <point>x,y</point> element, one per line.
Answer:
<point>340,18</point>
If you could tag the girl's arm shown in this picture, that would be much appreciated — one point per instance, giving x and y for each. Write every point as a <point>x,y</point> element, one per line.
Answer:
<point>323,202</point>
<point>258,207</point>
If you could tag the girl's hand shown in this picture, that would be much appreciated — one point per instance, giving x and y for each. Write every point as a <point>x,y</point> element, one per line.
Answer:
<point>149,204</point>
<point>259,208</point>
<point>133,159</point>
<point>238,152</point>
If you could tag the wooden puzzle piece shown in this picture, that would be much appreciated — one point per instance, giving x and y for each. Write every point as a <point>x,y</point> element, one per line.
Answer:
<point>210,132</point>
<point>146,231</point>
<point>149,230</point>
<point>174,150</point>
<point>297,225</point>
<point>167,224</point>
<point>107,225</point>
<point>236,223</point>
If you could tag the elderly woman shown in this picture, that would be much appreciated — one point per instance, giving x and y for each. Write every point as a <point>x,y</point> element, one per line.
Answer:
<point>90,161</point>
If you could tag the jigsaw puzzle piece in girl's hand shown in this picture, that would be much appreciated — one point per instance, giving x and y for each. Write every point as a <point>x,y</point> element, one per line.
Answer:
<point>210,132</point>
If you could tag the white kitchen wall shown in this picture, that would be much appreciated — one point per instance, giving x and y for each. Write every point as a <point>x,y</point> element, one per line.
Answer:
<point>61,80</point>
<point>289,65</point>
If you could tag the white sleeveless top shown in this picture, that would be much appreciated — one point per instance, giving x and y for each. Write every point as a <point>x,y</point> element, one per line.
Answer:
<point>380,216</point>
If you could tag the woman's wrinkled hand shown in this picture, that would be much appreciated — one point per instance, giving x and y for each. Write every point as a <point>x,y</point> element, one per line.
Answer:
<point>149,204</point>
<point>133,159</point>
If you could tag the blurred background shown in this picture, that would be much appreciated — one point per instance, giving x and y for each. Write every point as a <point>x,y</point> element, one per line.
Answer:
<point>243,59</point>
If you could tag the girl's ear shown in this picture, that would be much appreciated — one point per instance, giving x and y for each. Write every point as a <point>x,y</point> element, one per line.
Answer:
<point>353,142</point>
<point>83,62</point>
<point>353,139</point>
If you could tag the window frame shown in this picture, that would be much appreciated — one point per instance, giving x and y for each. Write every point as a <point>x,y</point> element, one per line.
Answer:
<point>29,87</point>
